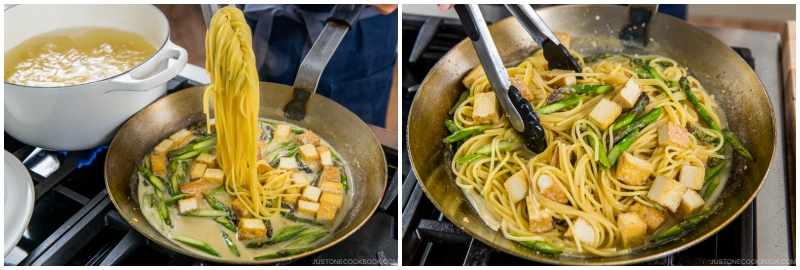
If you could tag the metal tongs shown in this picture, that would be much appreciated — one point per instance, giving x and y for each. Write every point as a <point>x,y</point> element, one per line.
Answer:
<point>518,110</point>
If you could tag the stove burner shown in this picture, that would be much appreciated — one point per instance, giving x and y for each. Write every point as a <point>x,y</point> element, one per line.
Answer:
<point>86,157</point>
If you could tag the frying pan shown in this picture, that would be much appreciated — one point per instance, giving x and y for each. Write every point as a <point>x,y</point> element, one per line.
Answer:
<point>596,29</point>
<point>343,130</point>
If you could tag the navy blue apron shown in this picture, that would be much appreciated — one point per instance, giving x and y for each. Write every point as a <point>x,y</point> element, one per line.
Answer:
<point>360,73</point>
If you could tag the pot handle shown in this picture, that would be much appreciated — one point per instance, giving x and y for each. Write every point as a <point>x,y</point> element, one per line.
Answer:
<point>129,81</point>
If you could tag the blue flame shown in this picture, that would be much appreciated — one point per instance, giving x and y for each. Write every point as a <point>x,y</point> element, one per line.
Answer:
<point>86,157</point>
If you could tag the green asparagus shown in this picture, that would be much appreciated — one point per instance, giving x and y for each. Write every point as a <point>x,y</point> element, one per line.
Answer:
<point>464,133</point>
<point>637,110</point>
<point>702,136</point>
<point>685,225</point>
<point>621,147</point>
<point>602,149</point>
<point>451,126</point>
<point>282,253</point>
<point>229,242</point>
<point>540,246</point>
<point>155,180</point>
<point>297,219</point>
<point>206,213</point>
<point>716,169</point>
<point>637,124</point>
<point>551,108</point>
<point>202,246</point>
<point>461,99</point>
<point>284,235</point>
<point>225,222</point>
<point>175,199</point>
<point>307,239</point>
<point>737,145</point>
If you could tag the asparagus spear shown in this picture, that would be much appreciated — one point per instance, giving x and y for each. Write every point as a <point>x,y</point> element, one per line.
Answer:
<point>297,131</point>
<point>596,57</point>
<point>685,225</point>
<point>461,99</point>
<point>637,110</point>
<point>197,145</point>
<point>621,147</point>
<point>451,126</point>
<point>285,234</point>
<point>202,246</point>
<point>178,175</point>
<point>602,150</point>
<point>206,213</point>
<point>146,162</point>
<point>228,242</point>
<point>711,187</point>
<point>307,239</point>
<point>282,253</point>
<point>469,158</point>
<point>565,92</point>
<point>148,198</point>
<point>737,145</point>
<point>464,133</point>
<point>225,222</point>
<point>195,153</point>
<point>217,205</point>
<point>716,169</point>
<point>637,124</point>
<point>175,199</point>
<point>217,191</point>
<point>551,108</point>
<point>702,136</point>
<point>650,72</point>
<point>155,180</point>
<point>297,219</point>
<point>485,151</point>
<point>162,210</point>
<point>540,246</point>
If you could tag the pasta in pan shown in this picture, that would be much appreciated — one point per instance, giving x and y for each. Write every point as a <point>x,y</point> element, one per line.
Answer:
<point>622,146</point>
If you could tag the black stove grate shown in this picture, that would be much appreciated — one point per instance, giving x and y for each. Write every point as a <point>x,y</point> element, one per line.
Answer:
<point>74,221</point>
<point>430,239</point>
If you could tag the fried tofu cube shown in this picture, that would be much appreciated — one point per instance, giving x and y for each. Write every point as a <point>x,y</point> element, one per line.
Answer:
<point>692,176</point>
<point>308,138</point>
<point>517,186</point>
<point>539,219</point>
<point>551,190</point>
<point>238,208</point>
<point>188,205</point>
<point>292,200</point>
<point>251,229</point>
<point>519,83</point>
<point>208,159</point>
<point>288,163</point>
<point>632,228</point>
<point>605,113</point>
<point>632,170</point>
<point>473,75</point>
<point>181,137</point>
<point>282,133</point>
<point>672,134</point>
<point>311,194</point>
<point>307,210</point>
<point>309,154</point>
<point>582,231</point>
<point>564,38</point>
<point>564,81</point>
<point>485,110</point>
<point>326,214</point>
<point>627,96</point>
<point>195,188</point>
<point>325,156</point>
<point>198,169</point>
<point>157,163</point>
<point>330,174</point>
<point>301,179</point>
<point>691,204</point>
<point>214,176</point>
<point>650,215</point>
<point>333,187</point>
<point>331,198</point>
<point>263,167</point>
<point>164,147</point>
<point>666,192</point>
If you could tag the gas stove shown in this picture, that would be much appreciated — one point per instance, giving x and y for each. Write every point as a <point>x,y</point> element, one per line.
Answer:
<point>74,221</point>
<point>760,235</point>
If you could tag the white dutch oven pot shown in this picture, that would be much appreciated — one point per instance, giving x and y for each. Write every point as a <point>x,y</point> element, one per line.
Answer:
<point>87,115</point>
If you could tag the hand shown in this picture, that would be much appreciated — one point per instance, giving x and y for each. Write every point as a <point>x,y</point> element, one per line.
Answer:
<point>385,9</point>
<point>445,7</point>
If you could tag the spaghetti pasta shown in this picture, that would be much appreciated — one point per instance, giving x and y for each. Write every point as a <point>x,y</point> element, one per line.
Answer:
<point>593,196</point>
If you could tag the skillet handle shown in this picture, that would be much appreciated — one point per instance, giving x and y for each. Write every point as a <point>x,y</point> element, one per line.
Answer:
<point>634,34</point>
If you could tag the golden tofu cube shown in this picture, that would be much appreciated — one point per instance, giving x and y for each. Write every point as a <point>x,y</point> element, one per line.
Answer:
<point>208,159</point>
<point>485,110</point>
<point>666,192</point>
<point>157,162</point>
<point>692,176</point>
<point>632,228</point>
<point>650,215</point>
<point>263,167</point>
<point>164,147</point>
<point>581,230</point>
<point>672,134</point>
<point>326,214</point>
<point>473,75</point>
<point>334,187</point>
<point>238,208</point>
<point>562,37</point>
<point>627,96</point>
<point>605,113</point>
<point>330,174</point>
<point>301,179</point>
<point>198,169</point>
<point>308,138</point>
<point>181,137</point>
<point>288,163</point>
<point>519,82</point>
<point>214,176</point>
<point>691,204</point>
<point>188,205</point>
<point>632,170</point>
<point>311,194</point>
<point>551,190</point>
<point>251,229</point>
<point>517,186</point>
<point>195,188</point>
<point>331,198</point>
<point>309,154</point>
<point>325,156</point>
<point>307,210</point>
<point>292,200</point>
<point>567,80</point>
<point>282,133</point>
<point>540,220</point>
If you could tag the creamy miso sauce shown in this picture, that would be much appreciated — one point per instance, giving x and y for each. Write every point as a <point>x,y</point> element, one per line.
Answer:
<point>208,231</point>
<point>75,56</point>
